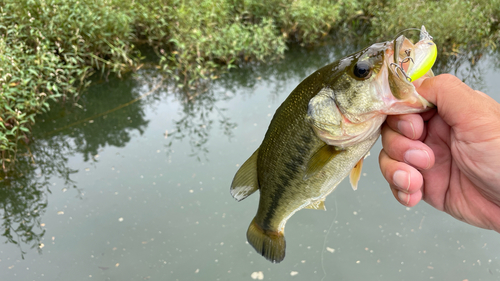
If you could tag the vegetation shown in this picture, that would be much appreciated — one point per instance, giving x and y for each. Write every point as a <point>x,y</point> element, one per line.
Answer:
<point>49,48</point>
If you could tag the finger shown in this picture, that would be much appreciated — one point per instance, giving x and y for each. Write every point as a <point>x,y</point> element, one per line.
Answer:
<point>456,102</point>
<point>409,125</point>
<point>405,182</point>
<point>403,149</point>
<point>426,116</point>
<point>399,175</point>
<point>407,199</point>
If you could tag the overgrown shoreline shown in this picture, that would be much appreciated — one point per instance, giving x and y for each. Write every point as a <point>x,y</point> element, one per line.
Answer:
<point>49,48</point>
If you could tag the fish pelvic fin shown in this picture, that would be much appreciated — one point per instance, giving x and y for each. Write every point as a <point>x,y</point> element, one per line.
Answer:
<point>245,181</point>
<point>356,172</point>
<point>269,243</point>
<point>320,159</point>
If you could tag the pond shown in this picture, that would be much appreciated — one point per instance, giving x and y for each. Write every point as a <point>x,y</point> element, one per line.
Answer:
<point>134,185</point>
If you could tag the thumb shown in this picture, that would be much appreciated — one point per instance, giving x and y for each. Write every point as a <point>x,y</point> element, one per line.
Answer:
<point>456,102</point>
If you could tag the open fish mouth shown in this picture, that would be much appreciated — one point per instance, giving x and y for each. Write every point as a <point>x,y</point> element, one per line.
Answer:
<point>407,65</point>
<point>413,61</point>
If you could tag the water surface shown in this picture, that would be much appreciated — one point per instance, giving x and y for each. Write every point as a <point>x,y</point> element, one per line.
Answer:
<point>134,185</point>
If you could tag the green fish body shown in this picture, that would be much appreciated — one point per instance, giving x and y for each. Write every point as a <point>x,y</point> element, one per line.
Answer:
<point>319,135</point>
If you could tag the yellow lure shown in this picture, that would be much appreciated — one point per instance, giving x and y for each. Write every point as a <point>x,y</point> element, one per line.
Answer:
<point>425,56</point>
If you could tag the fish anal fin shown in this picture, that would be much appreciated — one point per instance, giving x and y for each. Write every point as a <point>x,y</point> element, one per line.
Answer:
<point>324,155</point>
<point>246,181</point>
<point>356,174</point>
<point>270,244</point>
<point>317,205</point>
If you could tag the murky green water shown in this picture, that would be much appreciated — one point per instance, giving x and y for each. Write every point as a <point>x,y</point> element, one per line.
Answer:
<point>138,189</point>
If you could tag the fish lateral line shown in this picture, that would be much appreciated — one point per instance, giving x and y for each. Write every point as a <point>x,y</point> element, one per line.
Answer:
<point>323,131</point>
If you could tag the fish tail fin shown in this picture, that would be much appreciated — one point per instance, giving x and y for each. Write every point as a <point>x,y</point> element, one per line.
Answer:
<point>270,244</point>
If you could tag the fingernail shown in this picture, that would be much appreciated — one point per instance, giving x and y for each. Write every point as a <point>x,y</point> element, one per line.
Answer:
<point>418,158</point>
<point>406,128</point>
<point>401,179</point>
<point>404,197</point>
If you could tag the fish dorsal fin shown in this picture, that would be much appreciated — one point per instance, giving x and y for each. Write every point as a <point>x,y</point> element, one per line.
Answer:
<point>317,205</point>
<point>356,172</point>
<point>320,159</point>
<point>246,181</point>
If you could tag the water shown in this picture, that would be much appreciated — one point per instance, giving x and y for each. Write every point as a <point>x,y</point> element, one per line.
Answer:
<point>135,186</point>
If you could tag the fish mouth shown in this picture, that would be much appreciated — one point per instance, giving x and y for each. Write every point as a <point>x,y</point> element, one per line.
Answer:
<point>407,65</point>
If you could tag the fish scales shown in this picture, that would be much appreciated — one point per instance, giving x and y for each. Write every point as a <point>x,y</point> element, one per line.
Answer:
<point>321,133</point>
<point>280,197</point>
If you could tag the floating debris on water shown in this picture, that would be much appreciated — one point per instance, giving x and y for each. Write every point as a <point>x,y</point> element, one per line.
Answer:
<point>257,275</point>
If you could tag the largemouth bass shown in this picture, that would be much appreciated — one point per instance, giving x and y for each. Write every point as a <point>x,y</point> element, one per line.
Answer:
<point>324,129</point>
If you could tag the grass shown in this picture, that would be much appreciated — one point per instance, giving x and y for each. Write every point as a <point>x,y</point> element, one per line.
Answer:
<point>49,48</point>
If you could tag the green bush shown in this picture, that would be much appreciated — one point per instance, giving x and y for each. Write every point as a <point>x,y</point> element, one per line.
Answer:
<point>452,23</point>
<point>48,48</point>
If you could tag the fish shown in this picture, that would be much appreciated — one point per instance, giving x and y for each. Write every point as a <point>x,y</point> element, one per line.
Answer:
<point>324,129</point>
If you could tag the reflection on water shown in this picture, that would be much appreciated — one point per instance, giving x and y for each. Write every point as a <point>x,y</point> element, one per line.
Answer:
<point>87,128</point>
<point>22,207</point>
<point>140,138</point>
<point>198,117</point>
<point>59,135</point>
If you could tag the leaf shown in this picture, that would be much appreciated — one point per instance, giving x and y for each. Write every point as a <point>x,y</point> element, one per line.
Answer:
<point>30,70</point>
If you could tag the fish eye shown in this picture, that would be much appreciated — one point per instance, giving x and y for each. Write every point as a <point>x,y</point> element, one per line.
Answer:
<point>362,69</point>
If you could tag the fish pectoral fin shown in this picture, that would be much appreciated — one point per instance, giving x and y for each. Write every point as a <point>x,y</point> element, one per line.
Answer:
<point>356,174</point>
<point>317,205</point>
<point>324,155</point>
<point>246,181</point>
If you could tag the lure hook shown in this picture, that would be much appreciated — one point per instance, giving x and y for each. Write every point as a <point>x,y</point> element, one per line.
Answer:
<point>400,68</point>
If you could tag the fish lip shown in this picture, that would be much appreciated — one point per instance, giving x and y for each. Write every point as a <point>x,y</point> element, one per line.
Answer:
<point>401,43</point>
<point>395,66</point>
<point>413,100</point>
<point>402,87</point>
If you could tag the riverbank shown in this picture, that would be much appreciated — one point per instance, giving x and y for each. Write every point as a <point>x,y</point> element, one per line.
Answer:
<point>49,49</point>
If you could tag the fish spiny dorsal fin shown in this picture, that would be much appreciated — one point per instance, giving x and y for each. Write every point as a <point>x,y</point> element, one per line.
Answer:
<point>356,172</point>
<point>317,205</point>
<point>320,159</point>
<point>245,181</point>
<point>270,244</point>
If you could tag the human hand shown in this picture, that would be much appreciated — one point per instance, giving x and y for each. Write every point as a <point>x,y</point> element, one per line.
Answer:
<point>449,156</point>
